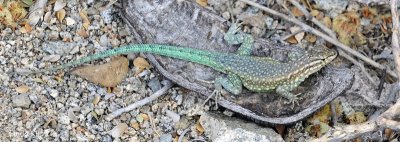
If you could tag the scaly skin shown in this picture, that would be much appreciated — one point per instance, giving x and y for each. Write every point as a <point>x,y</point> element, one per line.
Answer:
<point>258,74</point>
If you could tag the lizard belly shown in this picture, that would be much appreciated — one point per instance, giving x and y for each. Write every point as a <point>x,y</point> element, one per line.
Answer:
<point>260,85</point>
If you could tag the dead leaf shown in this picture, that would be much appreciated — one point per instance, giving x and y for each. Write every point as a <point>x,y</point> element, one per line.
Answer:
<point>296,12</point>
<point>96,99</point>
<point>108,75</point>
<point>199,127</point>
<point>314,12</point>
<point>327,22</point>
<point>80,129</point>
<point>369,13</point>
<point>60,14</point>
<point>292,40</point>
<point>26,28</point>
<point>298,36</point>
<point>280,129</point>
<point>22,89</point>
<point>311,38</point>
<point>144,116</point>
<point>82,33</point>
<point>203,3</point>
<point>388,133</point>
<point>135,125</point>
<point>85,19</point>
<point>140,64</point>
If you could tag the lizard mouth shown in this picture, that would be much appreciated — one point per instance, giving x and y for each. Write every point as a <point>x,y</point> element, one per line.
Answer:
<point>329,59</point>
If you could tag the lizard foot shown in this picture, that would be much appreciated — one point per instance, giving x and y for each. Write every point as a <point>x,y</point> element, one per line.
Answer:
<point>293,100</point>
<point>235,27</point>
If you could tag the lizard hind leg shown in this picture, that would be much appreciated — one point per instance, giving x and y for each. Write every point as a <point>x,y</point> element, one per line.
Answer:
<point>231,83</point>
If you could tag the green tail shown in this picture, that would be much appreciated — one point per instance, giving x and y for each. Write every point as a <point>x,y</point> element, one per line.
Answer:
<point>187,54</point>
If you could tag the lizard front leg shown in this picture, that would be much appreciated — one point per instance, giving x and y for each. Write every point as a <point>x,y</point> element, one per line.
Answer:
<point>246,40</point>
<point>284,90</point>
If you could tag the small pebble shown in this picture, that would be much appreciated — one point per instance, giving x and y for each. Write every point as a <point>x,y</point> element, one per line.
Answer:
<point>64,119</point>
<point>25,61</point>
<point>174,116</point>
<point>52,58</point>
<point>70,21</point>
<point>21,101</point>
<point>166,138</point>
<point>118,130</point>
<point>154,84</point>
<point>54,93</point>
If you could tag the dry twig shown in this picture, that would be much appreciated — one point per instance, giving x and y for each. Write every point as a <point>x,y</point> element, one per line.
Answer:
<point>140,103</point>
<point>395,35</point>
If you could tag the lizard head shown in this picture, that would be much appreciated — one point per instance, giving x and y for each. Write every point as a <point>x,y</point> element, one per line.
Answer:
<point>321,54</point>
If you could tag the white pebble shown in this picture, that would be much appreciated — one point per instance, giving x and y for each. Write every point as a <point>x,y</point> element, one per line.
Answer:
<point>70,21</point>
<point>118,130</point>
<point>174,116</point>
<point>54,93</point>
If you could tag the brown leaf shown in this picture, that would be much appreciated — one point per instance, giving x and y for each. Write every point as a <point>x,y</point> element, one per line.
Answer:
<point>140,64</point>
<point>144,116</point>
<point>108,75</point>
<point>280,129</point>
<point>388,133</point>
<point>311,38</point>
<point>96,99</point>
<point>369,13</point>
<point>82,33</point>
<point>85,19</point>
<point>26,28</point>
<point>327,21</point>
<point>199,127</point>
<point>296,12</point>
<point>314,12</point>
<point>292,40</point>
<point>298,36</point>
<point>135,125</point>
<point>203,3</point>
<point>22,89</point>
<point>60,15</point>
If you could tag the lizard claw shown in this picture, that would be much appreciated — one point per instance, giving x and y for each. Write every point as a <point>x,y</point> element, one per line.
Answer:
<point>293,100</point>
<point>235,27</point>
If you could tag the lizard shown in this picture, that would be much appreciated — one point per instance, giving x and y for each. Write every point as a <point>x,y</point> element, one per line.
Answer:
<point>257,74</point>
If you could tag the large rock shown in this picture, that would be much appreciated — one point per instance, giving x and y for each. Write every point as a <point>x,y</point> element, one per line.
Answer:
<point>227,129</point>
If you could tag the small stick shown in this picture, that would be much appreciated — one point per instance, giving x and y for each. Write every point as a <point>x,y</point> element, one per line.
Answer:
<point>395,35</point>
<point>140,103</point>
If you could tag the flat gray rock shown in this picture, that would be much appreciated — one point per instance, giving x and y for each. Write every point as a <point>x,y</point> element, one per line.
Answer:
<point>227,129</point>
